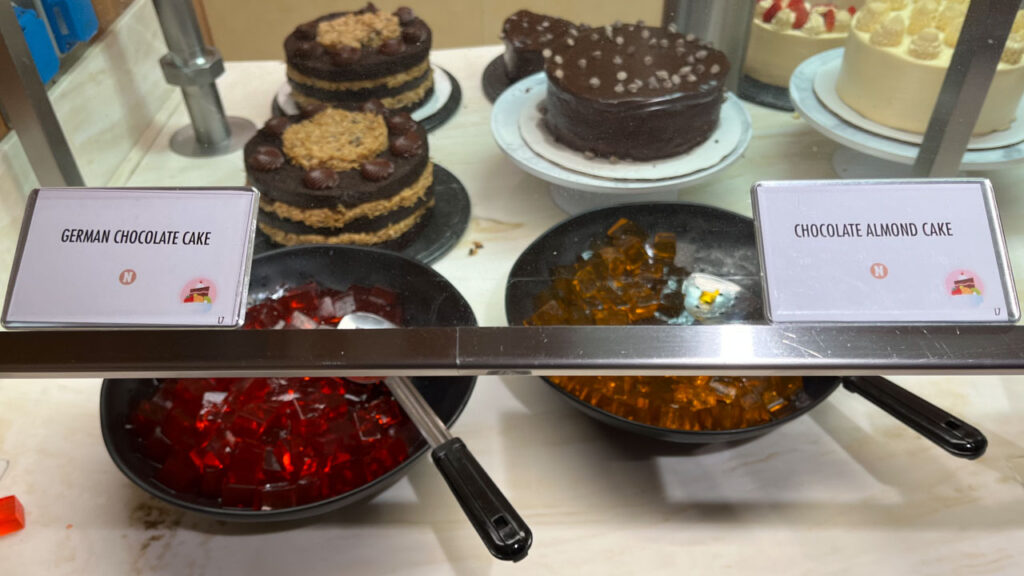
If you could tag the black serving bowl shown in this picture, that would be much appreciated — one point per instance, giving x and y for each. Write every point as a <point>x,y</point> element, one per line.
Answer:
<point>427,299</point>
<point>709,240</point>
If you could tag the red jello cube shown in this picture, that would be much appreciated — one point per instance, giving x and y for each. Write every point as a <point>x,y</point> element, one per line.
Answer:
<point>214,404</point>
<point>248,391</point>
<point>347,475</point>
<point>211,482</point>
<point>309,489</point>
<point>386,411</point>
<point>277,463</point>
<point>250,422</point>
<point>276,496</point>
<point>179,473</point>
<point>147,416</point>
<point>240,496</point>
<point>12,515</point>
<point>179,427</point>
<point>246,466</point>
<point>157,447</point>
<point>268,315</point>
<point>190,391</point>
<point>303,298</point>
<point>369,427</point>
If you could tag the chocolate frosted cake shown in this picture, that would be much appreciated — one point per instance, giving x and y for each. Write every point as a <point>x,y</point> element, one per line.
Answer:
<point>342,177</point>
<point>526,35</point>
<point>348,58</point>
<point>632,91</point>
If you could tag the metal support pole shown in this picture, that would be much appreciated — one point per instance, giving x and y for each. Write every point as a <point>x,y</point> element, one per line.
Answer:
<point>725,24</point>
<point>986,28</point>
<point>195,67</point>
<point>28,110</point>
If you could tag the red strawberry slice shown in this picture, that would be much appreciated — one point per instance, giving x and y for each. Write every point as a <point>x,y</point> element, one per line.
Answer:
<point>800,10</point>
<point>770,13</point>
<point>830,20</point>
<point>852,10</point>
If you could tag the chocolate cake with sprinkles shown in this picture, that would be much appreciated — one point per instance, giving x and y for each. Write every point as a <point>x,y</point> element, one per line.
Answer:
<point>345,59</point>
<point>526,35</point>
<point>630,91</point>
<point>342,177</point>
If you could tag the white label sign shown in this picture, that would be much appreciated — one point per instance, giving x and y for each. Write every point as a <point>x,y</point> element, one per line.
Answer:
<point>132,257</point>
<point>883,251</point>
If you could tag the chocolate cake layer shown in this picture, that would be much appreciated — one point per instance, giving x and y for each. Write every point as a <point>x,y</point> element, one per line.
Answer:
<point>633,91</point>
<point>359,95</point>
<point>526,34</point>
<point>394,237</point>
<point>371,62</point>
<point>359,225</point>
<point>285,184</point>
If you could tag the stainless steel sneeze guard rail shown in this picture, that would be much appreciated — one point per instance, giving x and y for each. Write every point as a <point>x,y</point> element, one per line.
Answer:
<point>609,350</point>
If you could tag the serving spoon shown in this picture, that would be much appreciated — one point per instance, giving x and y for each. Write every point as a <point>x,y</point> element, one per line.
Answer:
<point>501,528</point>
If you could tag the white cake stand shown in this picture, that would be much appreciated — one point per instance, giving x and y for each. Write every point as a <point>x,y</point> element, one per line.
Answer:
<point>864,154</point>
<point>577,192</point>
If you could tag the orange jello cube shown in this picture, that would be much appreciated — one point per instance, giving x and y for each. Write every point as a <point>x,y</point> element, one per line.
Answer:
<point>645,304</point>
<point>633,251</point>
<point>12,515</point>
<point>664,246</point>
<point>625,227</point>
<point>614,260</point>
<point>586,282</point>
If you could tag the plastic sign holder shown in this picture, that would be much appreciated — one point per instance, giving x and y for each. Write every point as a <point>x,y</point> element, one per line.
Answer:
<point>132,257</point>
<point>883,251</point>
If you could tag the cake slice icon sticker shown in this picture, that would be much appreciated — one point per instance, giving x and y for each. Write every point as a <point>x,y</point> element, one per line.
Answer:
<point>199,294</point>
<point>965,288</point>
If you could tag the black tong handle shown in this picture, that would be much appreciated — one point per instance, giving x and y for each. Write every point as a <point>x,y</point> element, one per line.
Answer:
<point>501,528</point>
<point>944,429</point>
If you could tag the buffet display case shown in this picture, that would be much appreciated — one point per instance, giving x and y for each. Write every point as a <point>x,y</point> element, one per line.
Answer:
<point>827,465</point>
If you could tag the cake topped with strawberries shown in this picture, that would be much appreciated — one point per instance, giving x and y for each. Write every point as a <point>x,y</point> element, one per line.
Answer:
<point>784,33</point>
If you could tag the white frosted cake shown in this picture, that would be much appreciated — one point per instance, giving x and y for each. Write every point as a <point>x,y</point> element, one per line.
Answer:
<point>896,58</point>
<point>787,32</point>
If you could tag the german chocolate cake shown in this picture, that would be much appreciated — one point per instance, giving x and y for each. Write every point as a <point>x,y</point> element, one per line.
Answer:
<point>526,35</point>
<point>348,58</point>
<point>633,92</point>
<point>342,177</point>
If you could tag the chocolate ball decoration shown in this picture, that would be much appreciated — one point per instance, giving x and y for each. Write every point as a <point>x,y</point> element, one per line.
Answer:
<point>265,159</point>
<point>405,15</point>
<point>276,125</point>
<point>308,49</point>
<point>392,47</point>
<point>345,55</point>
<point>400,123</point>
<point>308,109</point>
<point>320,179</point>
<point>407,145</point>
<point>374,106</point>
<point>377,169</point>
<point>306,31</point>
<point>414,34</point>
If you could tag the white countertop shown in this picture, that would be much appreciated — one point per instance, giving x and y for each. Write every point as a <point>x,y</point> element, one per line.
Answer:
<point>845,490</point>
